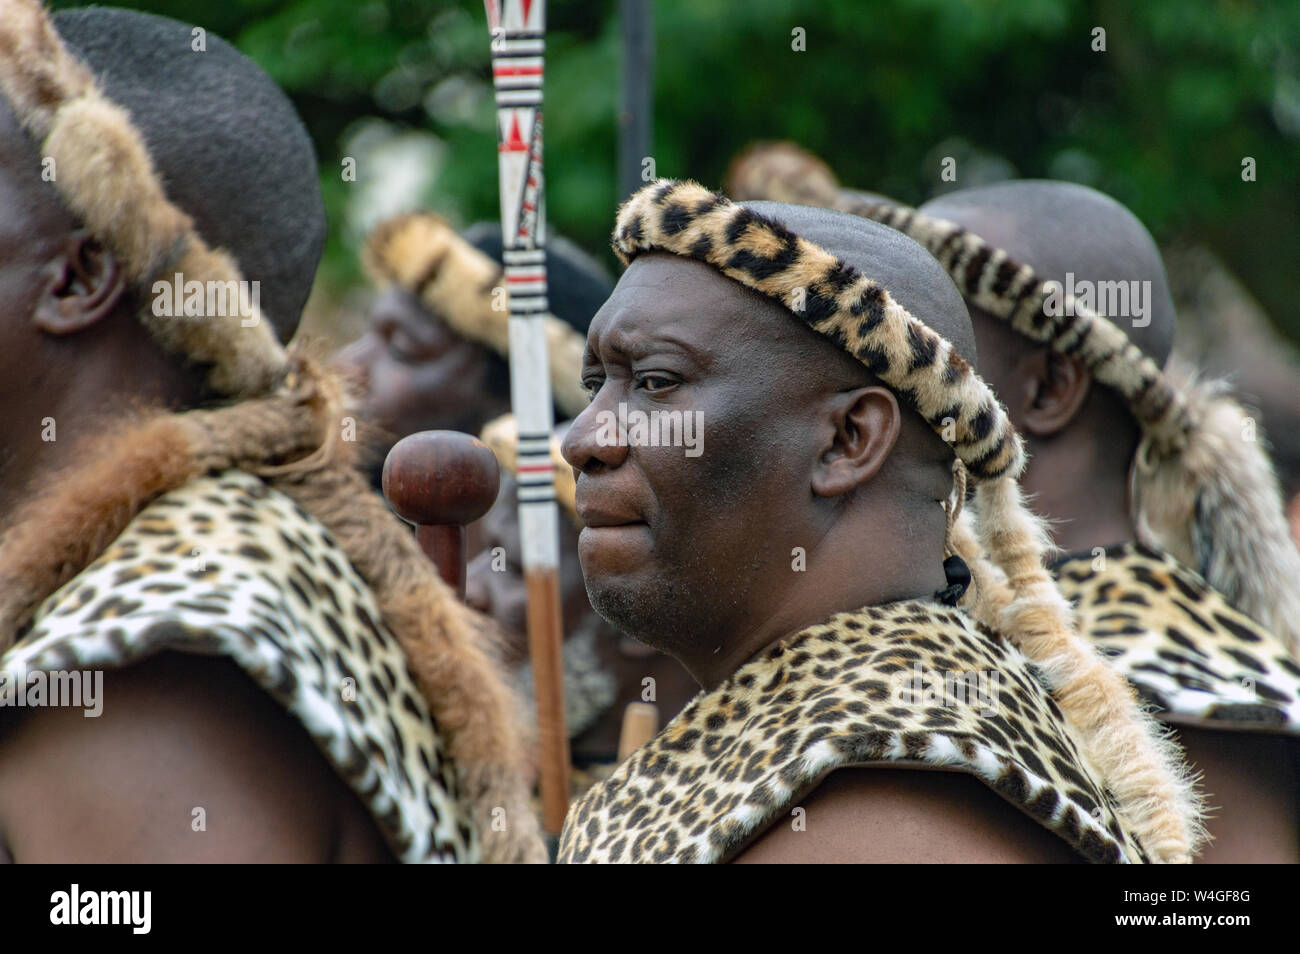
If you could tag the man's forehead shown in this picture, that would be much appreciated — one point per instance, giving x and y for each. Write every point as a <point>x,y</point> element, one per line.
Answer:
<point>661,271</point>
<point>663,297</point>
<point>16,149</point>
<point>24,195</point>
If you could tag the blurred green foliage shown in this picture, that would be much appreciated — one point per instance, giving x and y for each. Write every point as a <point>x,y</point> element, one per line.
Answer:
<point>1161,120</point>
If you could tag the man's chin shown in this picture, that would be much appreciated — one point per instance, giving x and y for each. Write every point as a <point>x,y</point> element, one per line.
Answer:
<point>614,551</point>
<point>627,603</point>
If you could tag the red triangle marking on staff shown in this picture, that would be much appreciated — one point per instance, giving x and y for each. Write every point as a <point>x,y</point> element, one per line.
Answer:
<point>514,137</point>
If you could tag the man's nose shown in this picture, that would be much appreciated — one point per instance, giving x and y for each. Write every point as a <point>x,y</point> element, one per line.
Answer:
<point>594,441</point>
<point>357,357</point>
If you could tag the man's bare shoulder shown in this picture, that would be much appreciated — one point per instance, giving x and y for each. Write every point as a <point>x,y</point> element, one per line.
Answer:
<point>188,761</point>
<point>905,816</point>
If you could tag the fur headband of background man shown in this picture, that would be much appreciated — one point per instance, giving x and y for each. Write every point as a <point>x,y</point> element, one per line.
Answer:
<point>922,368</point>
<point>421,253</point>
<point>1202,488</point>
<point>106,178</point>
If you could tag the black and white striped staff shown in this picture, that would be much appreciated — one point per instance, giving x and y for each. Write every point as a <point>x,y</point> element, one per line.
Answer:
<point>518,27</point>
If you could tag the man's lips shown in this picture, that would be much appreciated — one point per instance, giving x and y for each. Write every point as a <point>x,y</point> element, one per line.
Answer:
<point>615,537</point>
<point>606,508</point>
<point>597,519</point>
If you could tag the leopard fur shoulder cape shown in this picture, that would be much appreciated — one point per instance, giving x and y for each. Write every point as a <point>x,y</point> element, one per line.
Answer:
<point>226,565</point>
<point>1193,657</point>
<point>895,685</point>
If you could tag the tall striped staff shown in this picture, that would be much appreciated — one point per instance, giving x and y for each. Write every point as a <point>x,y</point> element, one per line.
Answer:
<point>517,29</point>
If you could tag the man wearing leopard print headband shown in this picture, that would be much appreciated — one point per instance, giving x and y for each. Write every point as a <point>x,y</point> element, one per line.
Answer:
<point>283,675</point>
<point>825,357</point>
<point>1179,558</point>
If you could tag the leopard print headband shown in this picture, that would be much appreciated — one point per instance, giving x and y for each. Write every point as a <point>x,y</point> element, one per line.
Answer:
<point>106,178</point>
<point>833,299</point>
<point>1014,292</point>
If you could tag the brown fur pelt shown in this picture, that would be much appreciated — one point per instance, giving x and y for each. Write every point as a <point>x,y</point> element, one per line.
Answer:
<point>292,439</point>
<point>58,533</point>
<point>1216,507</point>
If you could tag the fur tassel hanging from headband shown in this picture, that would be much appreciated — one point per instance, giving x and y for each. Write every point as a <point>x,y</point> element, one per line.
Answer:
<point>1137,760</point>
<point>1073,671</point>
<point>1215,506</point>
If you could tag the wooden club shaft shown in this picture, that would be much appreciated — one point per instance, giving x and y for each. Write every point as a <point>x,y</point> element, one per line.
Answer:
<point>445,546</point>
<point>544,636</point>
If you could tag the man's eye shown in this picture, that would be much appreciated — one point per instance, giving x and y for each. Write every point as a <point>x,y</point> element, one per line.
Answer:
<point>655,382</point>
<point>402,346</point>
<point>592,386</point>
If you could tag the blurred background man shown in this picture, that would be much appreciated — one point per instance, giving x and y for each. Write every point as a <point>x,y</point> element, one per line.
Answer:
<point>431,357</point>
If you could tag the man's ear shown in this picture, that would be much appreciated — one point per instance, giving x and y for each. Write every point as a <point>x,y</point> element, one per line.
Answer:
<point>1054,389</point>
<point>85,285</point>
<point>865,424</point>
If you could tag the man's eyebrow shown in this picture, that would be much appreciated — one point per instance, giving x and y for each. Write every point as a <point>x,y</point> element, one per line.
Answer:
<point>699,356</point>
<point>644,342</point>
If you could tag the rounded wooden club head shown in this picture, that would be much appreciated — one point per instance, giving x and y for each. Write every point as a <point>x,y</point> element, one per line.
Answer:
<point>435,478</point>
